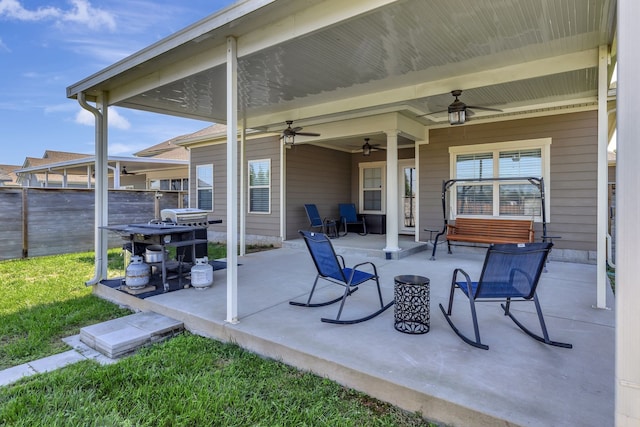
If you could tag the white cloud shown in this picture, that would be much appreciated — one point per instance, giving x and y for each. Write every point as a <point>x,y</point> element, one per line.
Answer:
<point>84,13</point>
<point>12,9</point>
<point>120,149</point>
<point>4,47</point>
<point>117,121</point>
<point>81,12</point>
<point>61,108</point>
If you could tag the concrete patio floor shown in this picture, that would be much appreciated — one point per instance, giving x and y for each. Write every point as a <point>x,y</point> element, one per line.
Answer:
<point>517,382</point>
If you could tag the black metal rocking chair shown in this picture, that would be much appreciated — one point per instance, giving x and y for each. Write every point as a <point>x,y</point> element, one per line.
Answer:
<point>349,216</point>
<point>510,273</point>
<point>331,267</point>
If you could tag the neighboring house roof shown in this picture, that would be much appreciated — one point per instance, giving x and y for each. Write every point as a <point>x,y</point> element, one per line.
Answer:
<point>165,150</point>
<point>55,164</point>
<point>7,175</point>
<point>60,156</point>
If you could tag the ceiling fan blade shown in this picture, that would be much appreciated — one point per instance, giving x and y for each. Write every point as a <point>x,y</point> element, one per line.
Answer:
<point>296,129</point>
<point>307,134</point>
<point>484,108</point>
<point>433,112</point>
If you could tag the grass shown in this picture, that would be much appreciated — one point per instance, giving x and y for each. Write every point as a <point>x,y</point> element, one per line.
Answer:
<point>187,380</point>
<point>44,300</point>
<point>190,380</point>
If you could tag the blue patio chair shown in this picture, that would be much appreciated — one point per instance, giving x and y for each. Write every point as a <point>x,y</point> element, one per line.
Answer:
<point>349,216</point>
<point>510,273</point>
<point>331,267</point>
<point>326,226</point>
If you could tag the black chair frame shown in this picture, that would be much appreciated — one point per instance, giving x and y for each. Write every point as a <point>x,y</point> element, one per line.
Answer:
<point>487,291</point>
<point>331,267</point>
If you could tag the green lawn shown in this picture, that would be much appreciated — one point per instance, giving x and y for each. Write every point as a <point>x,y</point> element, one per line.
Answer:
<point>185,381</point>
<point>44,300</point>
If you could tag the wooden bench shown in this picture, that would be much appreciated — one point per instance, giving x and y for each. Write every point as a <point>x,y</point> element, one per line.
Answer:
<point>485,230</point>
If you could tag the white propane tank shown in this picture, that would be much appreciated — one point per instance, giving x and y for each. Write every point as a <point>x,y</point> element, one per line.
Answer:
<point>137,274</point>
<point>202,274</point>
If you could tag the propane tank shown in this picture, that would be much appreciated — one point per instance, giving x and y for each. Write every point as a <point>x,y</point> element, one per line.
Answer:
<point>202,274</point>
<point>137,274</point>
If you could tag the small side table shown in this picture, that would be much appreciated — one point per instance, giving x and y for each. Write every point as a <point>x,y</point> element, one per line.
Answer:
<point>330,227</point>
<point>411,309</point>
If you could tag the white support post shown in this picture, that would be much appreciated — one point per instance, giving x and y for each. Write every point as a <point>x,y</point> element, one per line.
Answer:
<point>393,198</point>
<point>232,181</point>
<point>627,381</point>
<point>103,153</point>
<point>243,190</point>
<point>603,175</point>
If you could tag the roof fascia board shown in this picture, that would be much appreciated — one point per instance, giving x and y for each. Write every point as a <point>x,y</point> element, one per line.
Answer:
<point>522,71</point>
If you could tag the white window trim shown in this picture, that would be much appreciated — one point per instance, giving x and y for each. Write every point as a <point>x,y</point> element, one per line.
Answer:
<point>212,187</point>
<point>250,187</point>
<point>544,144</point>
<point>369,165</point>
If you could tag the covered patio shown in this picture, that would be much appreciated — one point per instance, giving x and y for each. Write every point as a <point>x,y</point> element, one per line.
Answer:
<point>389,68</point>
<point>518,381</point>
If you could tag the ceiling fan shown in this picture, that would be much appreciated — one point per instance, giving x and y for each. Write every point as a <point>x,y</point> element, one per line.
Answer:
<point>125,172</point>
<point>458,110</point>
<point>289,134</point>
<point>367,148</point>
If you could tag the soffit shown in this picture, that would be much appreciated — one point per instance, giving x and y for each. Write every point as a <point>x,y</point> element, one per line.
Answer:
<point>404,56</point>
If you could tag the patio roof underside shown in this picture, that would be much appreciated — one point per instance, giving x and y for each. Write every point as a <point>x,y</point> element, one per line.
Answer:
<point>319,62</point>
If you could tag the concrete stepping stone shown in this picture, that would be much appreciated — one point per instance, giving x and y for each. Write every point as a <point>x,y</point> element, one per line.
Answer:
<point>124,335</point>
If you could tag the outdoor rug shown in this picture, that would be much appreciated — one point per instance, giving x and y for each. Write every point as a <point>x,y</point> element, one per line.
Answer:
<point>155,282</point>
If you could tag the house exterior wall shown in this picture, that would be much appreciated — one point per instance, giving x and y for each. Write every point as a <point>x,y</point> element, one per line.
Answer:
<point>573,175</point>
<point>260,228</point>
<point>316,175</point>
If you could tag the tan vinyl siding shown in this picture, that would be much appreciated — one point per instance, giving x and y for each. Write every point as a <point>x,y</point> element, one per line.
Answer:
<point>262,148</point>
<point>573,174</point>
<point>260,223</point>
<point>315,175</point>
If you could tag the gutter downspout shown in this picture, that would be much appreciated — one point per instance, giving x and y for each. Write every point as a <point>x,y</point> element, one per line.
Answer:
<point>100,193</point>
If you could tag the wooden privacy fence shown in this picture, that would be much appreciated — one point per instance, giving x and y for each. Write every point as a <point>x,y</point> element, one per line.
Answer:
<point>49,221</point>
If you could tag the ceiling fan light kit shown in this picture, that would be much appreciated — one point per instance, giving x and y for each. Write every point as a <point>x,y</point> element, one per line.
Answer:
<point>457,110</point>
<point>456,117</point>
<point>366,148</point>
<point>289,134</point>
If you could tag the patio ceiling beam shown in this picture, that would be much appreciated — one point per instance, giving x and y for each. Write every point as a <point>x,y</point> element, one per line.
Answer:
<point>315,106</point>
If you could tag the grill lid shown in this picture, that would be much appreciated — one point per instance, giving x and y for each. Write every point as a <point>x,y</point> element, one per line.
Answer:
<point>185,216</point>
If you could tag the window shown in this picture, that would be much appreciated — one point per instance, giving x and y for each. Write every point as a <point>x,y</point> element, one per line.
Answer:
<point>177,184</point>
<point>260,186</point>
<point>204,187</point>
<point>372,180</point>
<point>508,198</point>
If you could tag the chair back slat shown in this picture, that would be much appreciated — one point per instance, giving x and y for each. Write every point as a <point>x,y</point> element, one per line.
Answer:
<point>313,214</point>
<point>323,255</point>
<point>348,211</point>
<point>512,270</point>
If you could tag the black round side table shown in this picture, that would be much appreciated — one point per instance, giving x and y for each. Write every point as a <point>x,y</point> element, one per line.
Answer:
<point>411,309</point>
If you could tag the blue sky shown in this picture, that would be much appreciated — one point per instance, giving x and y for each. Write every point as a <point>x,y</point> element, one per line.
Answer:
<point>47,45</point>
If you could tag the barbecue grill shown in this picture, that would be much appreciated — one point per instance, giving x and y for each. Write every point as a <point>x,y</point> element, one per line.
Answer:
<point>190,217</point>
